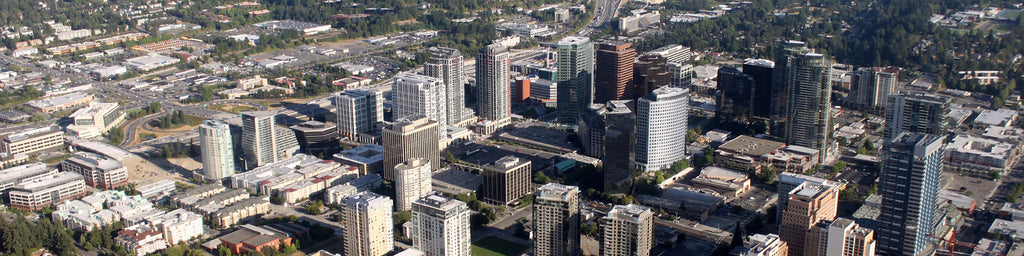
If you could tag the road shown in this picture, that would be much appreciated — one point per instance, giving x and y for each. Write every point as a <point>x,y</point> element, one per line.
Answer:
<point>606,11</point>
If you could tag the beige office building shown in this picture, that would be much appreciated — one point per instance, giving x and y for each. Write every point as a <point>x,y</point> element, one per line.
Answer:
<point>807,204</point>
<point>506,180</point>
<point>556,220</point>
<point>32,141</point>
<point>369,228</point>
<point>627,230</point>
<point>410,138</point>
<point>412,181</point>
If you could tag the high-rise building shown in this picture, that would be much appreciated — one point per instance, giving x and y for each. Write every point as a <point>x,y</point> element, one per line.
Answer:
<point>650,72</point>
<point>789,181</point>
<point>919,112</point>
<point>842,237</point>
<point>574,76</point>
<point>805,76</point>
<point>661,119</point>
<point>419,95</point>
<point>735,96</point>
<point>613,71</point>
<point>263,142</point>
<point>607,133</point>
<point>368,228</point>
<point>492,83</point>
<point>681,75</point>
<point>440,226</point>
<point>506,180</point>
<point>807,204</point>
<point>521,92</point>
<point>761,71</point>
<point>874,85</point>
<point>410,138</point>
<point>556,220</point>
<point>909,186</point>
<point>412,181</point>
<point>627,230</point>
<point>217,152</point>
<point>359,111</point>
<point>446,64</point>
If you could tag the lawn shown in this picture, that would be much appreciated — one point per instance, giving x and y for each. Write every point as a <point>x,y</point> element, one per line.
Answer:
<point>494,246</point>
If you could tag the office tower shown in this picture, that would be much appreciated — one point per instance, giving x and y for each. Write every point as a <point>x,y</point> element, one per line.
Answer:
<point>909,186</point>
<point>806,205</point>
<point>874,85</point>
<point>359,111</point>
<point>660,122</point>
<point>446,64</point>
<point>440,226</point>
<point>412,181</point>
<point>761,71</point>
<point>369,229</point>
<point>627,230</point>
<point>613,71</point>
<point>263,142</point>
<point>919,112</point>
<point>843,237</point>
<point>556,220</point>
<point>506,179</point>
<point>492,83</point>
<point>681,75</point>
<point>650,72</point>
<point>410,138</point>
<point>419,95</point>
<point>734,98</point>
<point>574,76</point>
<point>607,133</point>
<point>805,76</point>
<point>789,181</point>
<point>217,152</point>
<point>316,137</point>
<point>674,53</point>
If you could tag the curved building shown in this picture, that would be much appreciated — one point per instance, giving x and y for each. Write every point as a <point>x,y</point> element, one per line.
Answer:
<point>661,121</point>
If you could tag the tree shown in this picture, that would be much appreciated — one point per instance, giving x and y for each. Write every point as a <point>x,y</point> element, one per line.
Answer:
<point>691,136</point>
<point>993,174</point>
<point>869,145</point>
<point>540,178</point>
<point>314,207</point>
<point>589,229</point>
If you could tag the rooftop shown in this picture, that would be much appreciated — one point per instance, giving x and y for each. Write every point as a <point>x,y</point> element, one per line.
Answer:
<point>980,146</point>
<point>96,108</point>
<point>439,202</point>
<point>48,181</point>
<point>573,40</point>
<point>13,174</point>
<point>58,100</point>
<point>759,62</point>
<point>751,146</point>
<point>368,153</point>
<point>507,163</point>
<point>311,126</point>
<point>628,212</point>
<point>93,160</point>
<point>12,137</point>
<point>998,117</point>
<point>556,191</point>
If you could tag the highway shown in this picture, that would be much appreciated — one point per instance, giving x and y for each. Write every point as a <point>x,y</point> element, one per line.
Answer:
<point>606,11</point>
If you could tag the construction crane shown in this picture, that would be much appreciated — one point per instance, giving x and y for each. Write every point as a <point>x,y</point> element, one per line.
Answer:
<point>953,243</point>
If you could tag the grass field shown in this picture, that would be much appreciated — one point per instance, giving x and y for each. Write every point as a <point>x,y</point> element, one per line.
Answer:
<point>494,246</point>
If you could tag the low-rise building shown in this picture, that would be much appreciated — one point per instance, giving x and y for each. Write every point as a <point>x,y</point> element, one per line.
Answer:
<point>60,103</point>
<point>239,211</point>
<point>141,239</point>
<point>368,158</point>
<point>974,153</point>
<point>269,178</point>
<point>1000,117</point>
<point>302,190</point>
<point>150,62</point>
<point>178,226</point>
<point>32,141</point>
<point>157,189</point>
<point>724,181</point>
<point>249,238</point>
<point>1007,228</point>
<point>99,171</point>
<point>95,120</point>
<point>506,180</point>
<point>18,174</point>
<point>38,193</point>
<point>754,155</point>
<point>100,209</point>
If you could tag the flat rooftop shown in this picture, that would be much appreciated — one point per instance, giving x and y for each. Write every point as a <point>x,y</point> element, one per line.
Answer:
<point>751,146</point>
